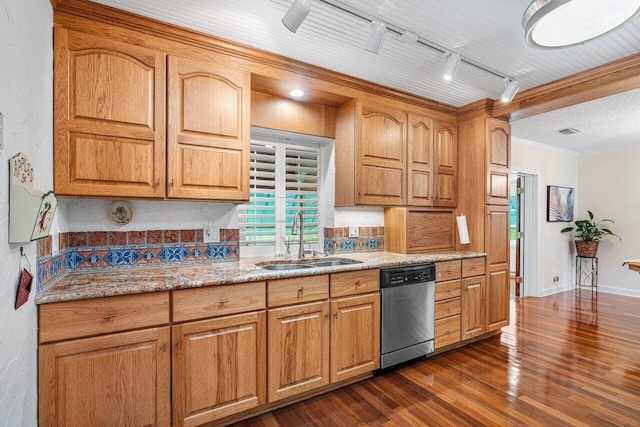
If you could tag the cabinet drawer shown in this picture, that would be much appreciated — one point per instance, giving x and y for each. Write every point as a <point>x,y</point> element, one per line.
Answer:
<point>447,308</point>
<point>473,267</point>
<point>297,290</point>
<point>73,319</point>
<point>447,331</point>
<point>448,270</point>
<point>200,303</point>
<point>354,282</point>
<point>446,290</point>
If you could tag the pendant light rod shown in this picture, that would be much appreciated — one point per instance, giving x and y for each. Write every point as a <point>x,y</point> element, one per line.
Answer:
<point>421,40</point>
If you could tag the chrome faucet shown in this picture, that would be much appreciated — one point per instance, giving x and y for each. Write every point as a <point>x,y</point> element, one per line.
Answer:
<point>297,223</point>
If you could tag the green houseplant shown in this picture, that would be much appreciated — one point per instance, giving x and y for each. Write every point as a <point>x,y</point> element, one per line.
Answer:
<point>589,232</point>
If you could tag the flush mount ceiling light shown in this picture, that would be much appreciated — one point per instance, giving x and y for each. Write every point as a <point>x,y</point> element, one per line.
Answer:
<point>510,91</point>
<point>376,36</point>
<point>554,24</point>
<point>296,14</point>
<point>451,66</point>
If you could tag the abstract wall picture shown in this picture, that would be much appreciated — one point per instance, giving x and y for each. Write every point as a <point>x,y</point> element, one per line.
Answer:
<point>559,204</point>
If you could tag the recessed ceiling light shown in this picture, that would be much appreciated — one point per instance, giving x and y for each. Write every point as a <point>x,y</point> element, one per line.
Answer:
<point>296,93</point>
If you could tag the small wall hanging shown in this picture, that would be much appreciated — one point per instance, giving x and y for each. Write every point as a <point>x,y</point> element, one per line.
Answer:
<point>559,204</point>
<point>30,211</point>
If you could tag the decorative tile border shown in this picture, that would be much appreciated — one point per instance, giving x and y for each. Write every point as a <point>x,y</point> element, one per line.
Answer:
<point>337,240</point>
<point>92,251</point>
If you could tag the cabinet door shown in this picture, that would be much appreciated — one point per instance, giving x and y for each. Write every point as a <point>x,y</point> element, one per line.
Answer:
<point>497,248</point>
<point>472,315</point>
<point>208,131</point>
<point>381,149</point>
<point>355,336</point>
<point>298,348</point>
<point>110,380</point>
<point>498,157</point>
<point>445,161</point>
<point>420,158</point>
<point>219,367</point>
<point>109,117</point>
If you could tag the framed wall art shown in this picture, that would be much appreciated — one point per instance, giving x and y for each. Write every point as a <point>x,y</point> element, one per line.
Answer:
<point>559,204</point>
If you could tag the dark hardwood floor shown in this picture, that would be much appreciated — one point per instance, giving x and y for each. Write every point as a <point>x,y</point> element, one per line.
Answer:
<point>568,359</point>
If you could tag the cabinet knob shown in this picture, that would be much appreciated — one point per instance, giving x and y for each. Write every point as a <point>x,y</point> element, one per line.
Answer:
<point>300,291</point>
<point>357,283</point>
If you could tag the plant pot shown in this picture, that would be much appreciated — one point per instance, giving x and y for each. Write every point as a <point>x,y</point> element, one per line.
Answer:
<point>586,249</point>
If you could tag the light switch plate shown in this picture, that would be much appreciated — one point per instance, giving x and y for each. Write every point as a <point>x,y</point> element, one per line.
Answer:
<point>353,231</point>
<point>211,234</point>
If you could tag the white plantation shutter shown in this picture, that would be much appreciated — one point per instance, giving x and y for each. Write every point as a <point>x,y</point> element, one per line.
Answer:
<point>302,182</point>
<point>284,178</point>
<point>257,219</point>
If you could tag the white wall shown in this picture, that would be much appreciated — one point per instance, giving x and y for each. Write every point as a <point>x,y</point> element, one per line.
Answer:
<point>26,94</point>
<point>608,188</point>
<point>554,252</point>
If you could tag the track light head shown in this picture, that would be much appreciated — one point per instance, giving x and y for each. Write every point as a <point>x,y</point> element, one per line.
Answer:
<point>510,91</point>
<point>376,36</point>
<point>296,14</point>
<point>451,66</point>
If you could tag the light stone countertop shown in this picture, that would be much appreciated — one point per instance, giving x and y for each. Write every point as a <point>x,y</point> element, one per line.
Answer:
<point>106,283</point>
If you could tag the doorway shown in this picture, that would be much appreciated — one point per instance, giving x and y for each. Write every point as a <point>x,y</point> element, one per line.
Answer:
<point>517,209</point>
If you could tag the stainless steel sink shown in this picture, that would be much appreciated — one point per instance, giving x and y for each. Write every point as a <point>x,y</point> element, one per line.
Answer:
<point>302,264</point>
<point>334,262</point>
<point>285,266</point>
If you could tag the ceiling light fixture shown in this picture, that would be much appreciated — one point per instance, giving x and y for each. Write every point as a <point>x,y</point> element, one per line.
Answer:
<point>296,93</point>
<point>376,36</point>
<point>554,24</point>
<point>510,91</point>
<point>451,66</point>
<point>296,14</point>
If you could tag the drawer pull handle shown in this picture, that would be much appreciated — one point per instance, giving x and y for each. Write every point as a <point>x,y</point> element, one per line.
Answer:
<point>449,291</point>
<point>109,316</point>
<point>223,301</point>
<point>449,331</point>
<point>449,308</point>
<point>335,315</point>
<point>300,291</point>
<point>357,283</point>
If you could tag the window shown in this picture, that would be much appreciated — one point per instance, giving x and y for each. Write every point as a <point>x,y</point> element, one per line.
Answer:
<point>284,179</point>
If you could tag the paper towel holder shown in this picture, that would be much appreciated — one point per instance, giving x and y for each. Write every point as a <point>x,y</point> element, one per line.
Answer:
<point>463,230</point>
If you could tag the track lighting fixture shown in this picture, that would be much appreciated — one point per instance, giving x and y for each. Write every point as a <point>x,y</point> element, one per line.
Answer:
<point>510,91</point>
<point>296,14</point>
<point>376,36</point>
<point>408,37</point>
<point>451,66</point>
<point>554,24</point>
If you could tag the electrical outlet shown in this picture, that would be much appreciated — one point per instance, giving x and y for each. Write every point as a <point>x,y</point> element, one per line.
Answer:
<point>556,278</point>
<point>210,234</point>
<point>353,231</point>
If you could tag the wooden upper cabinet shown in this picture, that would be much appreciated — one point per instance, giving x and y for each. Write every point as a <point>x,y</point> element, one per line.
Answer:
<point>208,132</point>
<point>420,157</point>
<point>498,155</point>
<point>445,164</point>
<point>109,118</point>
<point>381,156</point>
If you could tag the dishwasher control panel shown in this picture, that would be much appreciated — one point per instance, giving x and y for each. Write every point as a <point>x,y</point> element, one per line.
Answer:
<point>407,275</point>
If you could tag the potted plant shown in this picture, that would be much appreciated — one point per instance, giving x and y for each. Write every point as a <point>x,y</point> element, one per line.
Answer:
<point>589,233</point>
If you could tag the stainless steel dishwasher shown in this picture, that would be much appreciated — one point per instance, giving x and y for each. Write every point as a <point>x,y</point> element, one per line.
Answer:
<point>407,321</point>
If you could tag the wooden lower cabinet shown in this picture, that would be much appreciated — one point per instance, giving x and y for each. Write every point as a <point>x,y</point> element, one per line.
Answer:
<point>472,320</point>
<point>298,349</point>
<point>218,367</point>
<point>497,300</point>
<point>115,379</point>
<point>355,336</point>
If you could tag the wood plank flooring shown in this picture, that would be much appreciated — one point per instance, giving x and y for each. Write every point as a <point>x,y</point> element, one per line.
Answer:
<point>568,359</point>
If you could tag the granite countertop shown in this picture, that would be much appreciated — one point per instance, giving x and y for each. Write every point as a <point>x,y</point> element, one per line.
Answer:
<point>87,285</point>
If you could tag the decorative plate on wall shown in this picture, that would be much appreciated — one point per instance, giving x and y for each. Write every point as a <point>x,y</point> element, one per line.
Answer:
<point>120,213</point>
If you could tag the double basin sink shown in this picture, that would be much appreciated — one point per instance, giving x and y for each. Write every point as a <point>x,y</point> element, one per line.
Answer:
<point>302,264</point>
